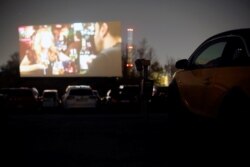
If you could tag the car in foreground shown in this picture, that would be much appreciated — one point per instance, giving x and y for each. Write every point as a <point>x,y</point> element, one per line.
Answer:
<point>215,81</point>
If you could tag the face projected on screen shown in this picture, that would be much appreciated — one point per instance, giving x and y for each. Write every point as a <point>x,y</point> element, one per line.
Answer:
<point>44,46</point>
<point>107,40</point>
<point>107,35</point>
<point>41,54</point>
<point>68,49</point>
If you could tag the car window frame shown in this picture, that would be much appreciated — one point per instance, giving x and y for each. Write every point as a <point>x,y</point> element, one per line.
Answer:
<point>211,42</point>
<point>201,49</point>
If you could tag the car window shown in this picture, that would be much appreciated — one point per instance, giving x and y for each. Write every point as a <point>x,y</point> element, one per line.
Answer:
<point>237,53</point>
<point>21,92</point>
<point>50,95</point>
<point>211,55</point>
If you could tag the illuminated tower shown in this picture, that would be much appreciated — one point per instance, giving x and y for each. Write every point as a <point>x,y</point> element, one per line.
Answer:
<point>130,48</point>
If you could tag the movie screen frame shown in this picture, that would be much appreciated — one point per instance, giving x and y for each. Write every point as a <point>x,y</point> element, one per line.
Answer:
<point>70,50</point>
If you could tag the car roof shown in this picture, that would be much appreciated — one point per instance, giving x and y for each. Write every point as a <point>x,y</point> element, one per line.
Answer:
<point>50,90</point>
<point>69,87</point>
<point>238,32</point>
<point>78,86</point>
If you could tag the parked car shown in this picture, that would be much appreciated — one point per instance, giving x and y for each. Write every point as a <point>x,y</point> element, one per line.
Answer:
<point>20,98</point>
<point>159,94</point>
<point>215,81</point>
<point>50,98</point>
<point>124,94</point>
<point>96,93</point>
<point>79,96</point>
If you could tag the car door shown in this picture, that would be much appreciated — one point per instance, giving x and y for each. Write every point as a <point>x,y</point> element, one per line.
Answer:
<point>196,81</point>
<point>232,72</point>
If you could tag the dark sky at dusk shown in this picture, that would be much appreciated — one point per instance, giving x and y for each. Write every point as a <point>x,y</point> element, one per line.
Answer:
<point>173,28</point>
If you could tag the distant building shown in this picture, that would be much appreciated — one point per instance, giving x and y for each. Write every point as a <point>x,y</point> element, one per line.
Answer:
<point>130,51</point>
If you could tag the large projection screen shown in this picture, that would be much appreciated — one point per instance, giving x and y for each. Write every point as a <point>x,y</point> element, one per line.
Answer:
<point>90,49</point>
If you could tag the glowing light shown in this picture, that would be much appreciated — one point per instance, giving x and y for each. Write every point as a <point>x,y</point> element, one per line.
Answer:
<point>58,26</point>
<point>130,47</point>
<point>129,65</point>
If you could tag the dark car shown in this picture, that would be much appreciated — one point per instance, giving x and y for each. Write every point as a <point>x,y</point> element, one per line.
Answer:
<point>124,94</point>
<point>215,80</point>
<point>50,98</point>
<point>20,98</point>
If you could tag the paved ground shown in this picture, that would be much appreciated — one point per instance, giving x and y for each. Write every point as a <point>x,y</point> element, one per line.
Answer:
<point>121,139</point>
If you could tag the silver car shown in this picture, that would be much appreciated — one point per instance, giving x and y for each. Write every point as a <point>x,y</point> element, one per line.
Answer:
<point>79,96</point>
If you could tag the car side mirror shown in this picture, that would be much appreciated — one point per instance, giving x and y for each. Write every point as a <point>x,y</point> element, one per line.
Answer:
<point>181,64</point>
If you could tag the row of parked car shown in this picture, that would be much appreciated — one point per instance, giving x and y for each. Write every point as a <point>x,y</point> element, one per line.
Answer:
<point>75,96</point>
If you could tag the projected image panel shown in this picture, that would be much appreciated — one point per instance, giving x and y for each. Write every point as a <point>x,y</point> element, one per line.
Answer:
<point>64,50</point>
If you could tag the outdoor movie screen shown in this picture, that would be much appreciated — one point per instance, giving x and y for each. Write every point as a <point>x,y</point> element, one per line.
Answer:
<point>90,49</point>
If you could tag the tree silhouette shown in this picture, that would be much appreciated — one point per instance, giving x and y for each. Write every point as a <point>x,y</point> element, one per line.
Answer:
<point>145,51</point>
<point>12,65</point>
<point>170,66</point>
<point>10,71</point>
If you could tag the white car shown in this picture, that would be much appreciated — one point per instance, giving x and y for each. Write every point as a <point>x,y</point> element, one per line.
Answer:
<point>79,96</point>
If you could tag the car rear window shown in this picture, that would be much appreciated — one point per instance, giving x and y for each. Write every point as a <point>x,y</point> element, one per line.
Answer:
<point>49,94</point>
<point>21,92</point>
<point>80,92</point>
